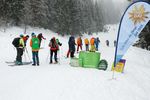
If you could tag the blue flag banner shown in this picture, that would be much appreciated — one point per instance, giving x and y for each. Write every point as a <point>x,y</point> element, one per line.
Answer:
<point>134,19</point>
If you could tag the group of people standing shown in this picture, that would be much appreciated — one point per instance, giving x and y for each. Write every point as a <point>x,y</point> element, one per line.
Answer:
<point>35,43</point>
<point>20,45</point>
<point>94,44</point>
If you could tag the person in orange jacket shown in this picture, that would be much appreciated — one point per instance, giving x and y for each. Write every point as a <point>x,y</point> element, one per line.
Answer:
<point>79,43</point>
<point>92,44</point>
<point>86,41</point>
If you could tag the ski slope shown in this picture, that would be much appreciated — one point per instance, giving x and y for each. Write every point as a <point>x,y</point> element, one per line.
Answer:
<point>63,82</point>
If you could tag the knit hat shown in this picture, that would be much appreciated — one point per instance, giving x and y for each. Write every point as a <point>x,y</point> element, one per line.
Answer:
<point>21,35</point>
<point>33,34</point>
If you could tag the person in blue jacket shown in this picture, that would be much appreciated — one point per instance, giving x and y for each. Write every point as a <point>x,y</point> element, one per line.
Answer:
<point>72,44</point>
<point>96,42</point>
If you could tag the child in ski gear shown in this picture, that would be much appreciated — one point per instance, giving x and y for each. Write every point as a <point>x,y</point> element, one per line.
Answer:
<point>107,43</point>
<point>72,44</point>
<point>79,43</point>
<point>20,49</point>
<point>34,43</point>
<point>40,37</point>
<point>92,49</point>
<point>53,49</point>
<point>25,38</point>
<point>86,41</point>
<point>97,41</point>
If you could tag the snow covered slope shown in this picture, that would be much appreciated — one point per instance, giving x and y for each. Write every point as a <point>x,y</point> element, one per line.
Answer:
<point>63,82</point>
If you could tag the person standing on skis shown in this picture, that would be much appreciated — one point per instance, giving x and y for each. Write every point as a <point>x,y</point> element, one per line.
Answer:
<point>19,45</point>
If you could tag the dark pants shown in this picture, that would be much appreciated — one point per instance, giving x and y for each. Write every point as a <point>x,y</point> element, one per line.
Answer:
<point>96,47</point>
<point>40,43</point>
<point>78,47</point>
<point>51,55</point>
<point>35,57</point>
<point>19,54</point>
<point>72,54</point>
<point>87,47</point>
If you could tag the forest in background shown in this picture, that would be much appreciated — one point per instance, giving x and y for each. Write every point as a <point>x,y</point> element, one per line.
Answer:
<point>63,16</point>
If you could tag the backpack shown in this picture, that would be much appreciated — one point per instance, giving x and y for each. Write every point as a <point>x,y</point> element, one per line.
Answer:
<point>54,45</point>
<point>103,64</point>
<point>15,42</point>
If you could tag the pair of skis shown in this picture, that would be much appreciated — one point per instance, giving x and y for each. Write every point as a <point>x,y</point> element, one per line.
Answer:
<point>12,64</point>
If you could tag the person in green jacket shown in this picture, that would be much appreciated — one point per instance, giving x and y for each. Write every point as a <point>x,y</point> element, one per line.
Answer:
<point>35,45</point>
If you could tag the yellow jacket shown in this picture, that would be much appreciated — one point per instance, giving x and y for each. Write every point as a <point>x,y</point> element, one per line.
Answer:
<point>21,43</point>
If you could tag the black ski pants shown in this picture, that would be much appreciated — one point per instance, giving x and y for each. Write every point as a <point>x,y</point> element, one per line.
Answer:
<point>19,54</point>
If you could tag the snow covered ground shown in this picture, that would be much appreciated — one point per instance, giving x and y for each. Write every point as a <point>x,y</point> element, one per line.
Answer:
<point>63,82</point>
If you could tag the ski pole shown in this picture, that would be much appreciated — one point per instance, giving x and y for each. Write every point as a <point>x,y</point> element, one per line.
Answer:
<point>27,53</point>
<point>59,55</point>
<point>25,57</point>
<point>47,56</point>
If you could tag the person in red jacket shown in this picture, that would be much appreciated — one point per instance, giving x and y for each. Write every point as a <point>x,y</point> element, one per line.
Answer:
<point>25,38</point>
<point>53,49</point>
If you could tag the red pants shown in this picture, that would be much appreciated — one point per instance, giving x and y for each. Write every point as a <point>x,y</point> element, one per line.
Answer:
<point>78,47</point>
<point>68,53</point>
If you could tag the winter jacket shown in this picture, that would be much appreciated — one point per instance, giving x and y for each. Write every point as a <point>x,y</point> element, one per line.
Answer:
<point>34,43</point>
<point>25,38</point>
<point>96,41</point>
<point>79,41</point>
<point>86,41</point>
<point>40,37</point>
<point>21,43</point>
<point>92,41</point>
<point>53,45</point>
<point>72,44</point>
